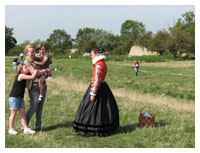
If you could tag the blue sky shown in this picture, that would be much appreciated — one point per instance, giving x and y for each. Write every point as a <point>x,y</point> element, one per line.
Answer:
<point>32,22</point>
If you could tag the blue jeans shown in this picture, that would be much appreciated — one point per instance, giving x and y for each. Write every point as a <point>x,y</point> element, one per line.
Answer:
<point>34,106</point>
<point>14,66</point>
<point>16,103</point>
<point>136,70</point>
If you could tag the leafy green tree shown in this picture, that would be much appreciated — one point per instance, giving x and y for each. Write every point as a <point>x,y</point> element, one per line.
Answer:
<point>186,23</point>
<point>189,17</point>
<point>118,48</point>
<point>10,41</point>
<point>19,48</point>
<point>123,47</point>
<point>83,36</point>
<point>144,39</point>
<point>190,46</point>
<point>130,30</point>
<point>189,28</point>
<point>87,46</point>
<point>159,42</point>
<point>177,42</point>
<point>59,42</point>
<point>88,38</point>
<point>184,34</point>
<point>105,40</point>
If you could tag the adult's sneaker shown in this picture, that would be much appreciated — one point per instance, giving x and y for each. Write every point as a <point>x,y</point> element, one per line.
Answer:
<point>12,131</point>
<point>28,131</point>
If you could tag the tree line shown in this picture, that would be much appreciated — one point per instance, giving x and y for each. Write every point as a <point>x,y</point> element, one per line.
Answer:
<point>179,38</point>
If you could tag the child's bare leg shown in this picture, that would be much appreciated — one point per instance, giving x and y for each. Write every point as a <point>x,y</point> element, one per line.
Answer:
<point>23,117</point>
<point>49,73</point>
<point>23,122</point>
<point>41,87</point>
<point>41,84</point>
<point>12,118</point>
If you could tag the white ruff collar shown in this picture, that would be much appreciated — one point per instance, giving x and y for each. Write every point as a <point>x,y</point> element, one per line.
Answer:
<point>98,58</point>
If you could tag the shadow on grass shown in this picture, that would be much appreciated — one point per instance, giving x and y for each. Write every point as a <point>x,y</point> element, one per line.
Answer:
<point>161,123</point>
<point>60,125</point>
<point>127,128</point>
<point>130,128</point>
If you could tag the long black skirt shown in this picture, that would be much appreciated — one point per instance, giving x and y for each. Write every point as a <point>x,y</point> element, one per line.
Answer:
<point>98,118</point>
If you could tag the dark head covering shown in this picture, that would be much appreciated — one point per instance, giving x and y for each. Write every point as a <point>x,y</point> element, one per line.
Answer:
<point>101,50</point>
<point>98,50</point>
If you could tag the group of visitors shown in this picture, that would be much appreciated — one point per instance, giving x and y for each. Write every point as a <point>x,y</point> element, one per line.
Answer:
<point>30,74</point>
<point>98,113</point>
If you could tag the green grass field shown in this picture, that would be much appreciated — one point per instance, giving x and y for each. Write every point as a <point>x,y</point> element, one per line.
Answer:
<point>167,87</point>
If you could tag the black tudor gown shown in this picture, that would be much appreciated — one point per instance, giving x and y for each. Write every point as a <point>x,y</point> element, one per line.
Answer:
<point>101,117</point>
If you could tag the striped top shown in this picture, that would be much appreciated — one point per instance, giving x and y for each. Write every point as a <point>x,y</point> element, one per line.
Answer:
<point>99,74</point>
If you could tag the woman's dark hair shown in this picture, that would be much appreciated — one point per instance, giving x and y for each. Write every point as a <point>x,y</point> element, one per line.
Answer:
<point>40,45</point>
<point>98,50</point>
<point>95,50</point>
<point>101,50</point>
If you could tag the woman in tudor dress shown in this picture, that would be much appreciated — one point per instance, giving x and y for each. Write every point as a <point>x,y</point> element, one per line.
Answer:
<point>98,113</point>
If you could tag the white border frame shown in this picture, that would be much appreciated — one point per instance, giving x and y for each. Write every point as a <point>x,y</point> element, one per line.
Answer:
<point>99,2</point>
